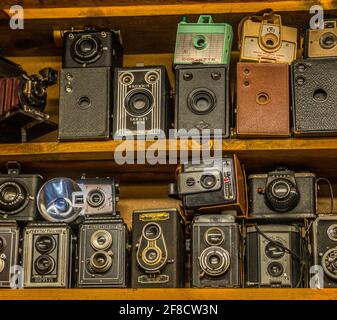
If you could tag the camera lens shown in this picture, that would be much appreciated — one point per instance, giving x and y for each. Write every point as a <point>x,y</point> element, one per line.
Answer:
<point>139,102</point>
<point>208,181</point>
<point>275,269</point>
<point>38,91</point>
<point>96,198</point>
<point>274,250</point>
<point>101,240</point>
<point>329,263</point>
<point>44,264</point>
<point>62,205</point>
<point>328,40</point>
<point>100,261</point>
<point>281,195</point>
<point>200,42</point>
<point>214,261</point>
<point>13,197</point>
<point>151,231</point>
<point>270,40</point>
<point>2,244</point>
<point>152,255</point>
<point>45,244</point>
<point>214,236</point>
<point>332,232</point>
<point>87,49</point>
<point>201,101</point>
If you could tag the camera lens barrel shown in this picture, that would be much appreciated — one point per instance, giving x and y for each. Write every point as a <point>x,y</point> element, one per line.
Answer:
<point>329,263</point>
<point>101,261</point>
<point>201,101</point>
<point>275,269</point>
<point>87,49</point>
<point>101,240</point>
<point>13,197</point>
<point>328,40</point>
<point>44,265</point>
<point>139,102</point>
<point>214,261</point>
<point>45,244</point>
<point>96,198</point>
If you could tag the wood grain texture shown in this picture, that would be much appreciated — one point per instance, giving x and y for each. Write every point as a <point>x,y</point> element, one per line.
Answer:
<point>169,294</point>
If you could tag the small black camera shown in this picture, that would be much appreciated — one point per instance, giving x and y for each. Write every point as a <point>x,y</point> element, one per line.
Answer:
<point>282,194</point>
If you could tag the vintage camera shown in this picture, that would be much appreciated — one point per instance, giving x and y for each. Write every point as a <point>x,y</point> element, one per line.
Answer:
<point>9,251</point>
<point>23,99</point>
<point>263,101</point>
<point>314,88</point>
<point>324,249</point>
<point>202,101</point>
<point>18,194</point>
<point>48,255</point>
<point>274,254</point>
<point>264,38</point>
<point>141,102</point>
<point>66,200</point>
<point>158,249</point>
<point>92,48</point>
<point>203,42</point>
<point>322,42</point>
<point>103,253</point>
<point>85,104</point>
<point>216,251</point>
<point>212,187</point>
<point>282,194</point>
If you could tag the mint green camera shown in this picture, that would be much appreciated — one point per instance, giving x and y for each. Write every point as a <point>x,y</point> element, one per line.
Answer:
<point>204,42</point>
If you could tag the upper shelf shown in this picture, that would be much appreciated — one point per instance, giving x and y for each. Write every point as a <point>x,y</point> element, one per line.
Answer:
<point>146,26</point>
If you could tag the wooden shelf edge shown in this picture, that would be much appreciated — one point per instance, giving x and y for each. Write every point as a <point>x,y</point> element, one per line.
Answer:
<point>168,294</point>
<point>172,9</point>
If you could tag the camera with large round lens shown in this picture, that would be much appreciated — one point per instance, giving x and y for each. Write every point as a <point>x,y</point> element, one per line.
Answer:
<point>44,265</point>
<point>139,102</point>
<point>274,250</point>
<point>96,198</point>
<point>328,40</point>
<point>214,236</point>
<point>101,261</point>
<point>214,261</point>
<point>151,231</point>
<point>208,181</point>
<point>45,244</point>
<point>13,197</point>
<point>87,49</point>
<point>275,269</point>
<point>201,101</point>
<point>101,240</point>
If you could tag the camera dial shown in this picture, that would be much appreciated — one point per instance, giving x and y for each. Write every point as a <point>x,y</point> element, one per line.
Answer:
<point>87,49</point>
<point>96,198</point>
<point>282,195</point>
<point>332,232</point>
<point>101,240</point>
<point>329,263</point>
<point>44,265</point>
<point>275,269</point>
<point>101,261</point>
<point>13,197</point>
<point>214,261</point>
<point>201,101</point>
<point>328,40</point>
<point>274,250</point>
<point>45,244</point>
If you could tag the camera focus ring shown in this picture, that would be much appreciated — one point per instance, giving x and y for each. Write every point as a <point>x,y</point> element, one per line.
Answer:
<point>214,261</point>
<point>13,197</point>
<point>101,261</point>
<point>201,101</point>
<point>329,263</point>
<point>328,40</point>
<point>101,240</point>
<point>87,49</point>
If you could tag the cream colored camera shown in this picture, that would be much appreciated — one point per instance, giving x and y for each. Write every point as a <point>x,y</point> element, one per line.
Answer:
<point>267,40</point>
<point>323,42</point>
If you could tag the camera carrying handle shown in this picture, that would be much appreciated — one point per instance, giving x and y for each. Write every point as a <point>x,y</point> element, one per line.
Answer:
<point>13,167</point>
<point>173,191</point>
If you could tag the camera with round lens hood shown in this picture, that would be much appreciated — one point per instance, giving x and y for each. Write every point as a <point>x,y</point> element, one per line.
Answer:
<point>158,249</point>
<point>18,194</point>
<point>211,187</point>
<point>49,259</point>
<point>103,245</point>
<point>275,256</point>
<point>141,102</point>
<point>9,251</point>
<point>322,42</point>
<point>202,102</point>
<point>282,194</point>
<point>216,251</point>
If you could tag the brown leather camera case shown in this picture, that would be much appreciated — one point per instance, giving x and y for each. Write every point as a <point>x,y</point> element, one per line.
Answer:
<point>263,104</point>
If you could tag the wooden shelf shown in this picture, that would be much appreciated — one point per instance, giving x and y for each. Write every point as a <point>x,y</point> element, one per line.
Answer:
<point>169,294</point>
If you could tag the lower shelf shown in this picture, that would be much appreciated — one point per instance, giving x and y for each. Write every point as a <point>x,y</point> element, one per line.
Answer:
<point>169,294</point>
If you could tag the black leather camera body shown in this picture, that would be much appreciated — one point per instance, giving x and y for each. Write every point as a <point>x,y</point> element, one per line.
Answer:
<point>282,194</point>
<point>18,194</point>
<point>202,100</point>
<point>273,256</point>
<point>9,251</point>
<point>211,187</point>
<point>324,249</point>
<point>85,104</point>
<point>314,88</point>
<point>141,102</point>
<point>158,249</point>
<point>92,48</point>
<point>48,260</point>
<point>103,255</point>
<point>216,251</point>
